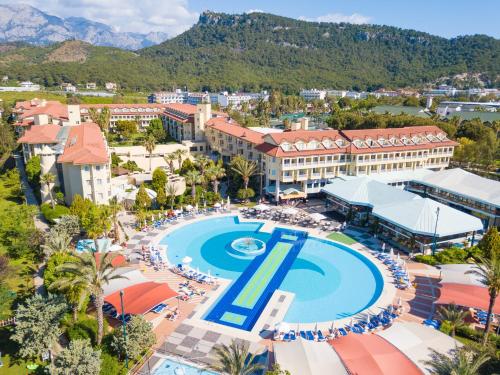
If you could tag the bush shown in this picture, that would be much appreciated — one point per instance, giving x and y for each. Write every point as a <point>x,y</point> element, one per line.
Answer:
<point>84,328</point>
<point>53,213</point>
<point>111,365</point>
<point>445,327</point>
<point>453,255</point>
<point>245,194</point>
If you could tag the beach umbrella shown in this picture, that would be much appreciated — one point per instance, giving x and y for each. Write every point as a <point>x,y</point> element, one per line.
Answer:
<point>316,327</point>
<point>228,201</point>
<point>351,322</point>
<point>283,327</point>
<point>187,260</point>
<point>398,258</point>
<point>217,205</point>
<point>391,252</point>
<point>383,247</point>
<point>400,302</point>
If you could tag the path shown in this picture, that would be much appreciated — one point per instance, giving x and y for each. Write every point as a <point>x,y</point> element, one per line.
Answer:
<point>40,222</point>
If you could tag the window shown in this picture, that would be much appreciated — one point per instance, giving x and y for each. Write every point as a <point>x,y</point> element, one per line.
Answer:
<point>97,167</point>
<point>273,172</point>
<point>99,181</point>
<point>86,168</point>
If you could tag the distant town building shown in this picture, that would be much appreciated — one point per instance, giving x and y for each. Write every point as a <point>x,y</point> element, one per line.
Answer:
<point>168,97</point>
<point>313,94</point>
<point>68,87</point>
<point>448,108</point>
<point>336,93</point>
<point>5,78</point>
<point>111,86</point>
<point>91,86</point>
<point>23,86</point>
<point>142,113</point>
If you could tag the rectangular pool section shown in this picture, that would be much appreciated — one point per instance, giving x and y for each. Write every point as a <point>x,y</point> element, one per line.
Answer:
<point>243,302</point>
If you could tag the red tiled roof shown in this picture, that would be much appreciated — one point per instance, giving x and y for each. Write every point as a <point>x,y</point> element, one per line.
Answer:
<point>39,134</point>
<point>304,135</point>
<point>85,145</point>
<point>273,150</point>
<point>51,108</point>
<point>234,129</point>
<point>188,109</point>
<point>140,298</point>
<point>124,105</point>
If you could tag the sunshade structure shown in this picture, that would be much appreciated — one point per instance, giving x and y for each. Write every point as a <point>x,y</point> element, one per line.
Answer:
<point>417,342</point>
<point>316,216</point>
<point>131,276</point>
<point>140,298</point>
<point>418,216</point>
<point>364,191</point>
<point>372,355</point>
<point>118,260</point>
<point>308,358</point>
<point>466,295</point>
<point>262,207</point>
<point>292,193</point>
<point>456,273</point>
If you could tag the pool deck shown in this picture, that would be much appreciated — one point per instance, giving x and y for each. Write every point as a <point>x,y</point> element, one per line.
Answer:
<point>192,334</point>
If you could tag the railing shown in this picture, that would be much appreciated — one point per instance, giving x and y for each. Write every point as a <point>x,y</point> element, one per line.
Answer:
<point>8,322</point>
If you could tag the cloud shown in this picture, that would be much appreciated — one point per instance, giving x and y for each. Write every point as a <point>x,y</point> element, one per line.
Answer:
<point>354,18</point>
<point>169,16</point>
<point>254,11</point>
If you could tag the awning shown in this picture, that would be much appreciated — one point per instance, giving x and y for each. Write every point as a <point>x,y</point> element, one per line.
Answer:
<point>417,341</point>
<point>372,355</point>
<point>308,358</point>
<point>133,277</point>
<point>316,216</point>
<point>456,273</point>
<point>140,298</point>
<point>118,260</point>
<point>466,295</point>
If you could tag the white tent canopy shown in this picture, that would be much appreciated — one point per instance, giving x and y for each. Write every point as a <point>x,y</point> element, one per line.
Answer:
<point>290,211</point>
<point>262,207</point>
<point>308,358</point>
<point>317,216</point>
<point>133,276</point>
<point>419,217</point>
<point>365,191</point>
<point>456,273</point>
<point>416,341</point>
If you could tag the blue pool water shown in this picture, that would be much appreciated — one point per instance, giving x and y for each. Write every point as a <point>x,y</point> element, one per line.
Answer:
<point>170,367</point>
<point>330,281</point>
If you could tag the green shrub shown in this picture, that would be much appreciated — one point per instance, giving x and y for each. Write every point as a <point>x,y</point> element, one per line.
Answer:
<point>86,328</point>
<point>50,274</point>
<point>426,259</point>
<point>445,327</point>
<point>77,332</point>
<point>111,365</point>
<point>53,213</point>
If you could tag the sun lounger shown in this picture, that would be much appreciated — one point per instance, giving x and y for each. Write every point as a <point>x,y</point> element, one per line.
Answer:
<point>321,337</point>
<point>303,335</point>
<point>286,337</point>
<point>310,335</point>
<point>432,323</point>
<point>293,337</point>
<point>158,309</point>
<point>342,332</point>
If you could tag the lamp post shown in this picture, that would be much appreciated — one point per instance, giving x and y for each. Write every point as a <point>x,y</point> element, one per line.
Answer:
<point>434,238</point>
<point>124,327</point>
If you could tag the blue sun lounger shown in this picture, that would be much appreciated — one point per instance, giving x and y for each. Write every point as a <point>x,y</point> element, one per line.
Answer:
<point>158,309</point>
<point>303,335</point>
<point>321,337</point>
<point>357,329</point>
<point>432,323</point>
<point>286,337</point>
<point>292,336</point>
<point>310,335</point>
<point>342,332</point>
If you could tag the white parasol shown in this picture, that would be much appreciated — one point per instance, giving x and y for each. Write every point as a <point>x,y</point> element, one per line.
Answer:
<point>391,252</point>
<point>187,260</point>
<point>189,207</point>
<point>400,302</point>
<point>115,247</point>
<point>283,327</point>
<point>228,201</point>
<point>217,205</point>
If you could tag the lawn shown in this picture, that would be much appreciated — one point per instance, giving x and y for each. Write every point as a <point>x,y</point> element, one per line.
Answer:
<point>342,238</point>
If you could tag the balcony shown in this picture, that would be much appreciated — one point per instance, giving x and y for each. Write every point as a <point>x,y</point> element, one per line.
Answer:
<point>302,177</point>
<point>288,178</point>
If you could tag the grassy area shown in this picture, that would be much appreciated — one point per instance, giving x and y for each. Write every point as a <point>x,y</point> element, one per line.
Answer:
<point>342,238</point>
<point>11,365</point>
<point>11,97</point>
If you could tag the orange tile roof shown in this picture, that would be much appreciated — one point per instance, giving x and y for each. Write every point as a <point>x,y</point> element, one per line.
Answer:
<point>124,105</point>
<point>51,108</point>
<point>277,151</point>
<point>188,109</point>
<point>305,135</point>
<point>40,134</point>
<point>85,145</point>
<point>232,128</point>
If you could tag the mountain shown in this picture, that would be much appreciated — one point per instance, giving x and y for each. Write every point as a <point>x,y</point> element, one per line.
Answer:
<point>23,23</point>
<point>258,50</point>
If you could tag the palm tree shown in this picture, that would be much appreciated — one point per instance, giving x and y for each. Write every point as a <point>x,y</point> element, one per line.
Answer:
<point>101,118</point>
<point>454,316</point>
<point>193,178</point>
<point>236,360</point>
<point>179,153</point>
<point>91,275</point>
<point>461,362</point>
<point>203,162</point>
<point>215,173</point>
<point>488,271</point>
<point>244,168</point>
<point>57,242</point>
<point>48,179</point>
<point>114,209</point>
<point>149,145</point>
<point>171,191</point>
<point>170,159</point>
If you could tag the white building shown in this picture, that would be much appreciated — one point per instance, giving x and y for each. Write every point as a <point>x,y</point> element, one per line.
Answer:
<point>23,86</point>
<point>313,94</point>
<point>168,97</point>
<point>336,93</point>
<point>68,87</point>
<point>111,86</point>
<point>90,86</point>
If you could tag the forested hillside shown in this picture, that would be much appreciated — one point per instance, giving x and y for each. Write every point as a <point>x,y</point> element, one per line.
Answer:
<point>258,50</point>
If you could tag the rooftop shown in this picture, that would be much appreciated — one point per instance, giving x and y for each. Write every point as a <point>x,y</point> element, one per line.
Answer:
<point>41,134</point>
<point>234,129</point>
<point>464,183</point>
<point>85,145</point>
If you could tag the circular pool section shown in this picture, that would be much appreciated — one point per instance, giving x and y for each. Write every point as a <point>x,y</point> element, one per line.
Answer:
<point>330,281</point>
<point>247,248</point>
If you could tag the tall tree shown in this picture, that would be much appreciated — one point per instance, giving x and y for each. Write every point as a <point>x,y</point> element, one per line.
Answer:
<point>171,192</point>
<point>79,358</point>
<point>236,359</point>
<point>37,325</point>
<point>454,315</point>
<point>48,180</point>
<point>140,338</point>
<point>244,168</point>
<point>91,275</point>
<point>490,243</point>
<point>461,362</point>
<point>215,173</point>
<point>202,162</point>
<point>142,199</point>
<point>56,242</point>
<point>114,210</point>
<point>488,271</point>
<point>180,153</point>
<point>170,159</point>
<point>150,145</point>
<point>193,178</point>
<point>101,118</point>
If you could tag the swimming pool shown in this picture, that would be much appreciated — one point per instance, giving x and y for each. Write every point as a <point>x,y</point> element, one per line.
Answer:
<point>171,367</point>
<point>330,281</point>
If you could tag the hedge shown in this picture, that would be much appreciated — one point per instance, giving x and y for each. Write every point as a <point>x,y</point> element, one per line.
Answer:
<point>53,213</point>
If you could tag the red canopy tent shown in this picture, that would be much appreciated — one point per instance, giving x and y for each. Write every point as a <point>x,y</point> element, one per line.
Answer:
<point>466,295</point>
<point>140,298</point>
<point>117,260</point>
<point>372,355</point>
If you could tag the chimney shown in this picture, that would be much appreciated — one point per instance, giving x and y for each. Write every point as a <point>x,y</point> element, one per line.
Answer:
<point>304,123</point>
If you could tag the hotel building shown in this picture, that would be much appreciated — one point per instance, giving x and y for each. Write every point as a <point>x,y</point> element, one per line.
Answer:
<point>142,113</point>
<point>306,160</point>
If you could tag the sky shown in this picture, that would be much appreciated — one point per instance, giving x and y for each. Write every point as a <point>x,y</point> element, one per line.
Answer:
<point>448,18</point>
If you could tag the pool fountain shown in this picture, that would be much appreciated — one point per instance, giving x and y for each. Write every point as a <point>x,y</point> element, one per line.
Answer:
<point>247,248</point>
